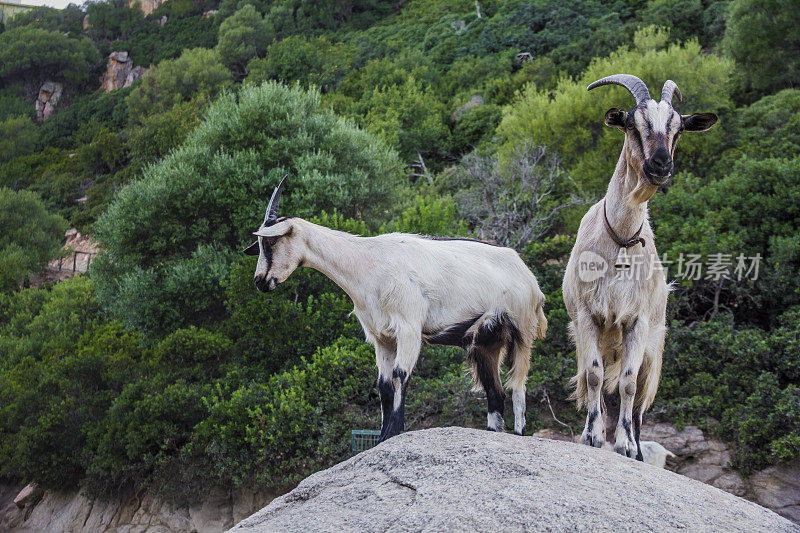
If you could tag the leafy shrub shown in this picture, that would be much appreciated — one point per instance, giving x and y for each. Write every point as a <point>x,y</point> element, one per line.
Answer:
<point>761,36</point>
<point>18,136</point>
<point>112,19</point>
<point>197,72</point>
<point>310,62</point>
<point>29,236</point>
<point>159,134</point>
<point>67,20</point>
<point>175,228</point>
<point>32,55</point>
<point>243,36</point>
<point>277,432</point>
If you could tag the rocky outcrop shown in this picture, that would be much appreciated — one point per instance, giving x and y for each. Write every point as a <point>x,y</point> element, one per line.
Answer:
<point>457,479</point>
<point>147,6</point>
<point>120,72</point>
<point>698,456</point>
<point>76,512</point>
<point>777,488</point>
<point>49,95</point>
<point>704,458</point>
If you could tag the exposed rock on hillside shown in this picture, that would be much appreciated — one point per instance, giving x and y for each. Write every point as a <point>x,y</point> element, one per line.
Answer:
<point>147,6</point>
<point>120,72</point>
<point>456,479</point>
<point>49,95</point>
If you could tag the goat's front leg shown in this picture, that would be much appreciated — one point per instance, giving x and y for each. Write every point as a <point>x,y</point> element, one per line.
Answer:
<point>587,343</point>
<point>634,341</point>
<point>409,343</point>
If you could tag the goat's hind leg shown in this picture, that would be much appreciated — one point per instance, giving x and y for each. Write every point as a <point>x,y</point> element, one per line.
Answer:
<point>486,362</point>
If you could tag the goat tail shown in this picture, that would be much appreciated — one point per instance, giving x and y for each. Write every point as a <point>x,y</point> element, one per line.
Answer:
<point>533,327</point>
<point>578,381</point>
<point>541,322</point>
<point>648,379</point>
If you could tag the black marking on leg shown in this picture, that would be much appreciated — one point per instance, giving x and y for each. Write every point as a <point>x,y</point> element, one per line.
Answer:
<point>386,390</point>
<point>394,424</point>
<point>591,419</point>
<point>626,425</point>
<point>629,372</point>
<point>637,422</point>
<point>485,359</point>
<point>595,363</point>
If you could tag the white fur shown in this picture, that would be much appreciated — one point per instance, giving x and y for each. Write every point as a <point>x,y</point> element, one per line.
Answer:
<point>404,286</point>
<point>494,421</point>
<point>652,453</point>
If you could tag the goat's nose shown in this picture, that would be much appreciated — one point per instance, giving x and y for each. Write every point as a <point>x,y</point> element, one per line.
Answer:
<point>661,158</point>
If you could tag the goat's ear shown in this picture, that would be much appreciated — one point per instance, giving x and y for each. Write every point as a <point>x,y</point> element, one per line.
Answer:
<point>616,118</point>
<point>699,121</point>
<point>278,230</point>
<point>252,249</point>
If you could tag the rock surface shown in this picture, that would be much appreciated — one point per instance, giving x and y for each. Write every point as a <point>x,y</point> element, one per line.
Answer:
<point>147,6</point>
<point>120,72</point>
<point>68,512</point>
<point>457,479</point>
<point>49,95</point>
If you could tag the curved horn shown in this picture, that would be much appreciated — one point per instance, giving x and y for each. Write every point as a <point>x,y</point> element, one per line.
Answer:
<point>275,199</point>
<point>670,88</point>
<point>636,86</point>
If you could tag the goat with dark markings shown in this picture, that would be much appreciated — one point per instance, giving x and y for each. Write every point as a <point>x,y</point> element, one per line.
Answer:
<point>409,289</point>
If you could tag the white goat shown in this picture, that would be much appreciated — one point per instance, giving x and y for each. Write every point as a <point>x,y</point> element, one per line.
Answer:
<point>618,312</point>
<point>653,453</point>
<point>408,289</point>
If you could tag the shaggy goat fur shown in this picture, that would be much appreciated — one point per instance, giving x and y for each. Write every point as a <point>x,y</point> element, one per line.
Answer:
<point>618,317</point>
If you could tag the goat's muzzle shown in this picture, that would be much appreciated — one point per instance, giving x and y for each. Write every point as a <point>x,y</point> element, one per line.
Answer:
<point>265,285</point>
<point>659,167</point>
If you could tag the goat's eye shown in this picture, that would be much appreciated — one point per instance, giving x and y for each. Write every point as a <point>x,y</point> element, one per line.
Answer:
<point>630,124</point>
<point>272,240</point>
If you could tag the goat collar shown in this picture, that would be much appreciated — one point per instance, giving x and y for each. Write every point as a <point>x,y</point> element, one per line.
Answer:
<point>621,242</point>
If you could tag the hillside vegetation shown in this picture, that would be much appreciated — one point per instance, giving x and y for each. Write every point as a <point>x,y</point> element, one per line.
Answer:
<point>164,368</point>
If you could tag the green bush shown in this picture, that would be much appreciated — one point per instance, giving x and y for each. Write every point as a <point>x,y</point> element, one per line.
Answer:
<point>159,134</point>
<point>762,38</point>
<point>243,36</point>
<point>277,432</point>
<point>175,229</point>
<point>29,236</point>
<point>308,61</point>
<point>32,55</point>
<point>18,136</point>
<point>197,72</point>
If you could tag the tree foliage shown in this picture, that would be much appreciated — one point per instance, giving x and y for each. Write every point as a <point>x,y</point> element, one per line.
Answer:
<point>762,37</point>
<point>197,72</point>
<point>32,55</point>
<point>243,36</point>
<point>29,236</point>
